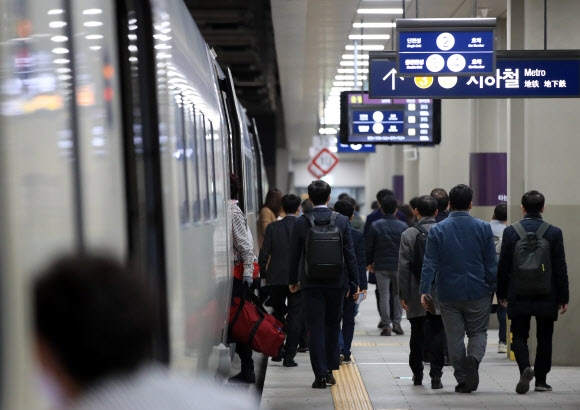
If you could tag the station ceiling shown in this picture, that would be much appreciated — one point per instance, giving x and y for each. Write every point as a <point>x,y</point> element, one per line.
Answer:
<point>284,54</point>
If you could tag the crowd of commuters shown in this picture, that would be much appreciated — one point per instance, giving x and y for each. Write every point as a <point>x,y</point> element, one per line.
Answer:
<point>437,263</point>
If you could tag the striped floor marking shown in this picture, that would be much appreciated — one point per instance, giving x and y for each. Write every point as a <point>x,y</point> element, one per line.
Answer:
<point>350,393</point>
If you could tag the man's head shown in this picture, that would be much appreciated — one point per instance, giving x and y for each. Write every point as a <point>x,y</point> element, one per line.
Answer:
<point>306,206</point>
<point>342,196</point>
<point>442,199</point>
<point>345,208</point>
<point>533,202</point>
<point>425,206</point>
<point>500,213</point>
<point>460,198</point>
<point>234,186</point>
<point>93,319</point>
<point>290,204</point>
<point>319,192</point>
<point>389,205</point>
<point>383,193</point>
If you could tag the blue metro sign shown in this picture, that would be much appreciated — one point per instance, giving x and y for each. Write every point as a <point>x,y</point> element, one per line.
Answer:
<point>519,74</point>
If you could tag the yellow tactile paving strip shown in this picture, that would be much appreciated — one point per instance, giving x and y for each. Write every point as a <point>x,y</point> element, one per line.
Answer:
<point>350,392</point>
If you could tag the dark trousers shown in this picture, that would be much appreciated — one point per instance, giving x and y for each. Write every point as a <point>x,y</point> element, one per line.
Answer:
<point>288,313</point>
<point>426,335</point>
<point>347,332</point>
<point>244,350</point>
<point>520,328</point>
<point>323,309</point>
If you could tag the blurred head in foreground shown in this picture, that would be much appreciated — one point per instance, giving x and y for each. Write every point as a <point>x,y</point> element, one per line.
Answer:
<point>93,319</point>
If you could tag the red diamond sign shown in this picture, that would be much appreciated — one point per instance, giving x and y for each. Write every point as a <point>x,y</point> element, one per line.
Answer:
<point>314,170</point>
<point>325,160</point>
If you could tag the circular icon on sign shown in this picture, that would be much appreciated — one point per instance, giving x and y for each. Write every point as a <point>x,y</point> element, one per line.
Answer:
<point>445,41</point>
<point>378,128</point>
<point>447,82</point>
<point>378,116</point>
<point>423,82</point>
<point>355,147</point>
<point>456,63</point>
<point>435,63</point>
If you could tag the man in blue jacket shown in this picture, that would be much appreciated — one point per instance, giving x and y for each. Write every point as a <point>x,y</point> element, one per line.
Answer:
<point>382,249</point>
<point>322,299</point>
<point>544,308</point>
<point>460,258</point>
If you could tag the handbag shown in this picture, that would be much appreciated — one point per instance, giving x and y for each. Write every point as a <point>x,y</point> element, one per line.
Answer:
<point>239,270</point>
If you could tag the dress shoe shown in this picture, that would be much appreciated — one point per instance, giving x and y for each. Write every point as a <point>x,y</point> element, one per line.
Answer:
<point>276,359</point>
<point>471,367</point>
<point>524,384</point>
<point>398,329</point>
<point>436,383</point>
<point>330,380</point>
<point>461,388</point>
<point>319,383</point>
<point>302,349</point>
<point>543,387</point>
<point>247,376</point>
<point>289,363</point>
<point>418,379</point>
<point>380,325</point>
<point>386,331</point>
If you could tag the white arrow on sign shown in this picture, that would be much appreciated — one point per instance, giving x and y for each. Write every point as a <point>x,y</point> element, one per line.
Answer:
<point>393,77</point>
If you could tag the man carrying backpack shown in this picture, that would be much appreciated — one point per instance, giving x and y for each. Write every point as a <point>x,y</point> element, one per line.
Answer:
<point>533,280</point>
<point>426,327</point>
<point>320,245</point>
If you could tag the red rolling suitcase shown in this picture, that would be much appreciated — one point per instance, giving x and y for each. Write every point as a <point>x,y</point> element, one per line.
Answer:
<point>251,324</point>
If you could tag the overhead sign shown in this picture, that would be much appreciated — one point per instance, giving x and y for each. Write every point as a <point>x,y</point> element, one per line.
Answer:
<point>519,74</point>
<point>356,148</point>
<point>325,161</point>
<point>438,47</point>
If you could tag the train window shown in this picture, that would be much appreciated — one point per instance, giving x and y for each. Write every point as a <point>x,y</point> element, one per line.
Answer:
<point>211,170</point>
<point>99,123</point>
<point>36,136</point>
<point>181,155</point>
<point>202,164</point>
<point>250,184</point>
<point>193,163</point>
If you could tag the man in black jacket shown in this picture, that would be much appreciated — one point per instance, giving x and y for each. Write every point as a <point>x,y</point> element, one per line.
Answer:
<point>274,261</point>
<point>322,299</point>
<point>544,308</point>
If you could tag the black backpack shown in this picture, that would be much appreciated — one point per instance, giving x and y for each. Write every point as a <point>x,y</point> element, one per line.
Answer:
<point>419,251</point>
<point>323,250</point>
<point>532,265</point>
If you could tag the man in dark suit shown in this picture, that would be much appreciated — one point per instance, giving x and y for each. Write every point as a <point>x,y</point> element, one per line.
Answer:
<point>323,299</point>
<point>520,309</point>
<point>349,306</point>
<point>274,261</point>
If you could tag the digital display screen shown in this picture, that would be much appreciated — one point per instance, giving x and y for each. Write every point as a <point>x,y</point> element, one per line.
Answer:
<point>389,121</point>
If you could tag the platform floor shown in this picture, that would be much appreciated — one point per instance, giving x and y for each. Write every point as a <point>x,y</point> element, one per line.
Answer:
<point>385,379</point>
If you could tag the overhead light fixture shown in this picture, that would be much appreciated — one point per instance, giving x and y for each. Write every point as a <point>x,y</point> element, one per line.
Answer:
<point>380,11</point>
<point>366,47</point>
<point>369,37</point>
<point>351,56</point>
<point>349,77</point>
<point>351,63</point>
<point>351,71</point>
<point>373,25</point>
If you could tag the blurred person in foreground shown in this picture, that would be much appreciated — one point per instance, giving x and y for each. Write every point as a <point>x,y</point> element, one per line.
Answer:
<point>93,323</point>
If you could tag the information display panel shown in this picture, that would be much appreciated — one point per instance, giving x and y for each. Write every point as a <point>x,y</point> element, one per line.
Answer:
<point>445,46</point>
<point>389,121</point>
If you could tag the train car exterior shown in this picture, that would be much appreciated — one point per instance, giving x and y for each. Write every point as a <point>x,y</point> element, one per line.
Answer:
<point>115,136</point>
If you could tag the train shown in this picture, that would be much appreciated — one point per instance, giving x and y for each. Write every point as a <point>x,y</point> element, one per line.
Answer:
<point>118,131</point>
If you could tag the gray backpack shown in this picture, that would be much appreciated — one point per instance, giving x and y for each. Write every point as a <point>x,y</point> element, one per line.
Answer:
<point>323,250</point>
<point>532,265</point>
